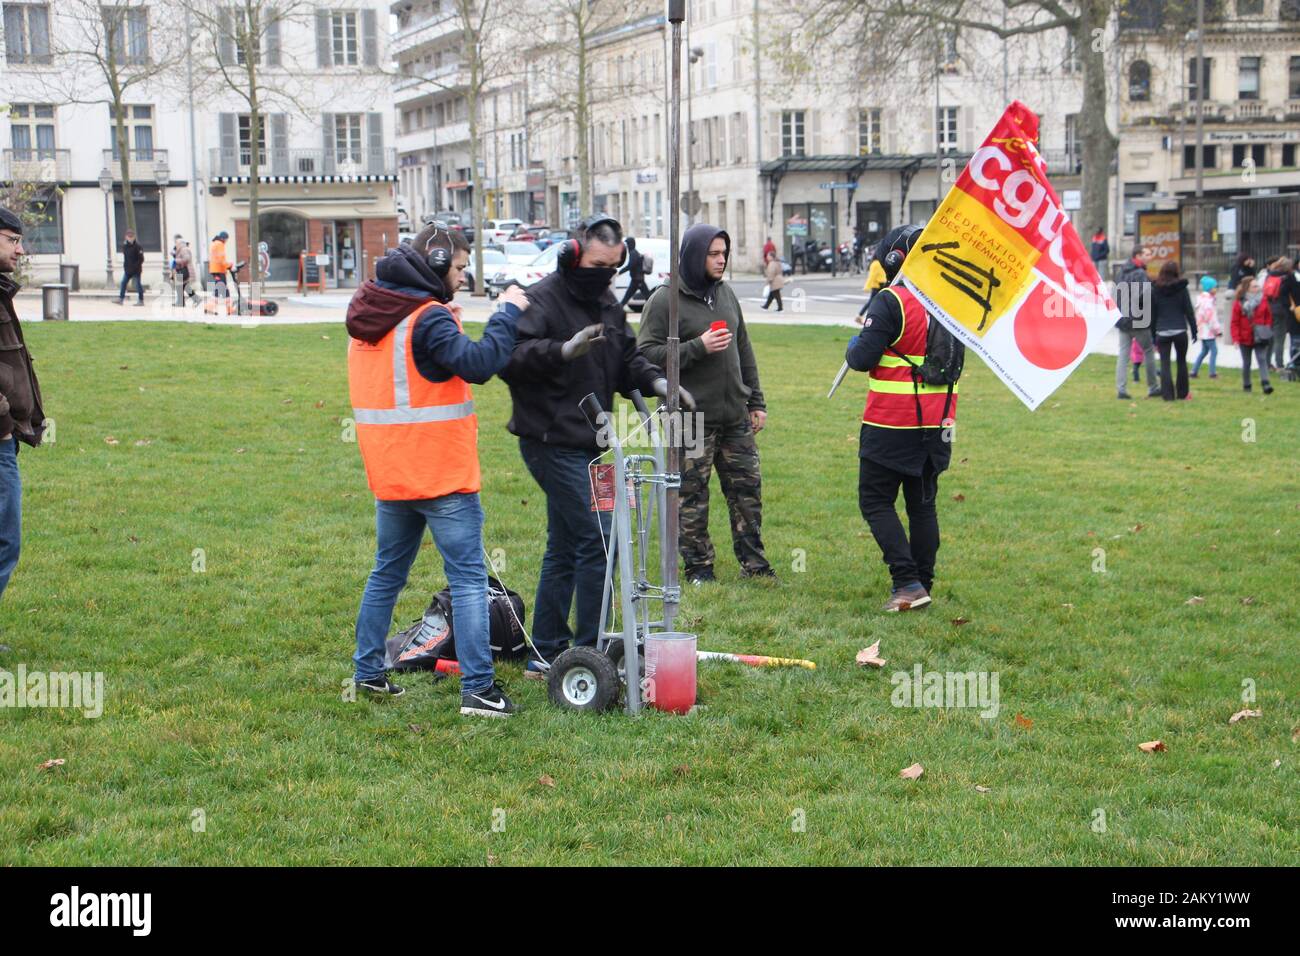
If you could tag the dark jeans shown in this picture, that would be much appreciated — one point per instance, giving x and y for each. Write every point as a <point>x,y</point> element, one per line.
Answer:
<point>219,289</point>
<point>635,282</point>
<point>139,286</point>
<point>1167,384</point>
<point>11,510</point>
<point>574,562</point>
<point>909,562</point>
<point>774,295</point>
<point>1260,351</point>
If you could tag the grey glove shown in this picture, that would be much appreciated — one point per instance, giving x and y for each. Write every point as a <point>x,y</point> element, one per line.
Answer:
<point>582,341</point>
<point>687,400</point>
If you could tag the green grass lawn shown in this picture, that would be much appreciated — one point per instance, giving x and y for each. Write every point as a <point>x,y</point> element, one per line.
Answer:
<point>224,687</point>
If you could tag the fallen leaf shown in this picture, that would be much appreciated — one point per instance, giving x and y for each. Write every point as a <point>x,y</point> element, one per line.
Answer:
<point>912,772</point>
<point>124,367</point>
<point>546,780</point>
<point>286,401</point>
<point>1247,601</point>
<point>1025,722</point>
<point>1243,714</point>
<point>982,790</point>
<point>1056,404</point>
<point>142,442</point>
<point>1136,528</point>
<point>52,762</point>
<point>110,440</point>
<point>240,451</point>
<point>964,460</point>
<point>1214,547</point>
<point>133,539</point>
<point>1151,746</point>
<point>870,655</point>
<point>1091,534</point>
<point>1276,764</point>
<point>1071,606</point>
<point>415,728</point>
<point>668,818</point>
<point>1295,736</point>
<point>959,621</point>
<point>325,337</point>
<point>491,857</point>
<point>682,770</point>
<point>1195,599</point>
<point>958,497</point>
<point>321,403</point>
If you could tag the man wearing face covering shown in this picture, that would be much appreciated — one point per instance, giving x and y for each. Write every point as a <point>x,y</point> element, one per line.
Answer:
<point>573,340</point>
<point>718,367</point>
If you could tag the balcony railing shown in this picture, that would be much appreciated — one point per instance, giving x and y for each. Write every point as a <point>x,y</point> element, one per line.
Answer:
<point>306,162</point>
<point>141,164</point>
<point>425,31</point>
<point>35,165</point>
<point>1062,162</point>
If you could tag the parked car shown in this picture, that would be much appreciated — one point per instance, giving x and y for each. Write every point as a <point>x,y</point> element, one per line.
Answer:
<point>523,233</point>
<point>545,238</point>
<point>522,274</point>
<point>492,261</point>
<point>499,230</point>
<point>454,220</point>
<point>520,253</point>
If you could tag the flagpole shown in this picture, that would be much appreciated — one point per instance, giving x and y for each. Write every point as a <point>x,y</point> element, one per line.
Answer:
<point>672,504</point>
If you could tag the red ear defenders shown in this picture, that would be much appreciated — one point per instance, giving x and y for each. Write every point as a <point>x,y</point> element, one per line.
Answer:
<point>571,249</point>
<point>893,260</point>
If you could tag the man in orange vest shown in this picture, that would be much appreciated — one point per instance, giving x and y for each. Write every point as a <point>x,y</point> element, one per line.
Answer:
<point>410,365</point>
<point>218,265</point>
<point>906,437</point>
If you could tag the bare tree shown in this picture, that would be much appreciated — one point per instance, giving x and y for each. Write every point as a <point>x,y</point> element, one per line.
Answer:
<point>104,51</point>
<point>872,40</point>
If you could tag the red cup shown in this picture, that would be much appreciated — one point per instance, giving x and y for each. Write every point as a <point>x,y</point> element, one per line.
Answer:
<point>720,324</point>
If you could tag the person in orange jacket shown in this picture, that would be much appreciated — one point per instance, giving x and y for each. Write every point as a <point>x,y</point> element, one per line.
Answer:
<point>219,265</point>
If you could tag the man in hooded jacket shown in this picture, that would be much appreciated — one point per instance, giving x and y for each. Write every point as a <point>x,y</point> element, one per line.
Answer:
<point>573,341</point>
<point>718,367</point>
<point>409,368</point>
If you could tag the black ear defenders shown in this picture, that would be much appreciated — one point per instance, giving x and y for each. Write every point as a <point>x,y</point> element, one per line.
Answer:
<point>438,257</point>
<point>571,249</point>
<point>894,260</point>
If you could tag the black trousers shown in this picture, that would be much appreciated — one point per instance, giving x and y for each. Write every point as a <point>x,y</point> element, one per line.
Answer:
<point>909,561</point>
<point>773,295</point>
<point>1167,383</point>
<point>634,283</point>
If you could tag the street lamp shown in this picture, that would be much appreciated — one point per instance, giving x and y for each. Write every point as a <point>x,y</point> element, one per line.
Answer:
<point>696,53</point>
<point>106,184</point>
<point>162,174</point>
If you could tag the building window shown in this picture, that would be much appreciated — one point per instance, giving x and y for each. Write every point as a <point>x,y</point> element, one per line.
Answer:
<point>792,141</point>
<point>242,18</point>
<point>868,132</point>
<point>1288,155</point>
<point>1257,153</point>
<point>246,139</point>
<point>44,233</point>
<point>1193,88</point>
<point>127,32</point>
<point>343,33</point>
<point>659,216</point>
<point>1071,63</point>
<point>1247,8</point>
<point>946,127</point>
<point>1073,146</point>
<point>31,131</point>
<point>1293,81</point>
<point>347,138</point>
<point>139,131</point>
<point>1139,81</point>
<point>1209,159</point>
<point>948,61</point>
<point>1248,78</point>
<point>27,33</point>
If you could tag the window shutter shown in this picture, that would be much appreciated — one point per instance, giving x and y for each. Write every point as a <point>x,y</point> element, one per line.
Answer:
<point>324,55</point>
<point>375,134</point>
<point>851,133</point>
<point>369,39</point>
<point>327,138</point>
<point>225,36</point>
<point>279,144</point>
<point>228,161</point>
<point>815,141</point>
<point>272,36</point>
<point>774,135</point>
<point>967,128</point>
<point>890,144</point>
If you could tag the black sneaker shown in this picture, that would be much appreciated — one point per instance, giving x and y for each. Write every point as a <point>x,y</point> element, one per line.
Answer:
<point>703,576</point>
<point>487,703</point>
<point>1268,389</point>
<point>762,573</point>
<point>1124,397</point>
<point>381,686</point>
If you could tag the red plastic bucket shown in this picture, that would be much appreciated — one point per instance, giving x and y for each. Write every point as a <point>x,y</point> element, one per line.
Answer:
<point>670,671</point>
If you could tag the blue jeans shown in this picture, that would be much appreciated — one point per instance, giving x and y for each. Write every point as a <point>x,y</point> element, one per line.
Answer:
<point>456,522</point>
<point>11,510</point>
<point>575,550</point>
<point>1209,347</point>
<point>139,287</point>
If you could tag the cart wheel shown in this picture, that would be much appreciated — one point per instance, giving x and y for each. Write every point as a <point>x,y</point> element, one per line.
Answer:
<point>270,308</point>
<point>582,678</point>
<point>614,651</point>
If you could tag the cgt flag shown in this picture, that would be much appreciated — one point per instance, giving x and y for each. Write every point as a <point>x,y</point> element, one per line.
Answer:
<point>1002,267</point>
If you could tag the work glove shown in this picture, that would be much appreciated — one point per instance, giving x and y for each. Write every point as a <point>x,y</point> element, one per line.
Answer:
<point>687,400</point>
<point>582,341</point>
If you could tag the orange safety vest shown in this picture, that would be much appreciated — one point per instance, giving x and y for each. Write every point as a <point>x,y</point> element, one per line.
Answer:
<point>892,392</point>
<point>418,439</point>
<point>217,262</point>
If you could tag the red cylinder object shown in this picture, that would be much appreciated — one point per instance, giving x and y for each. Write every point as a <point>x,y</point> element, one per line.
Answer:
<point>670,671</point>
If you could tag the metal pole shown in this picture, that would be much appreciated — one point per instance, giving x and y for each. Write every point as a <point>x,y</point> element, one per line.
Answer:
<point>108,241</point>
<point>162,242</point>
<point>938,167</point>
<point>194,145</point>
<point>672,598</point>
<point>1200,98</point>
<point>690,131</point>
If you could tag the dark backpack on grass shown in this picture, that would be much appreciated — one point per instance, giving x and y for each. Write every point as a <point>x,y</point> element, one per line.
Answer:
<point>433,637</point>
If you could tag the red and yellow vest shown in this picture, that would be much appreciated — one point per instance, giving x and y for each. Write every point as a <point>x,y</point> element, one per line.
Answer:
<point>418,439</point>
<point>892,395</point>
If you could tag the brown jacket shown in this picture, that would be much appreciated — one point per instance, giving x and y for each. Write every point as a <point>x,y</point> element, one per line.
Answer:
<point>20,394</point>
<point>772,271</point>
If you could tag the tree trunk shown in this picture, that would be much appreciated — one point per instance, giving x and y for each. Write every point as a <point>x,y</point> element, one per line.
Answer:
<point>1100,145</point>
<point>583,117</point>
<point>123,148</point>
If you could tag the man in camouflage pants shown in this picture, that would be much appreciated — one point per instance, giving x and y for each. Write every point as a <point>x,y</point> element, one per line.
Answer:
<point>718,368</point>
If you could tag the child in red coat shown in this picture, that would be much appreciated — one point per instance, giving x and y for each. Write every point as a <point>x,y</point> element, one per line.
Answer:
<point>1252,330</point>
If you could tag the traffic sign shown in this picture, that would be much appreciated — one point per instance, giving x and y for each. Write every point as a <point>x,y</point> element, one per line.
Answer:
<point>839,185</point>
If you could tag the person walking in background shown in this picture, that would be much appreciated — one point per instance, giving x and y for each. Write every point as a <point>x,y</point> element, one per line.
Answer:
<point>769,249</point>
<point>219,265</point>
<point>132,267</point>
<point>1250,315</point>
<point>1099,250</point>
<point>636,268</point>
<point>775,282</point>
<point>1290,296</point>
<point>1133,295</point>
<point>1207,324</point>
<point>182,270</point>
<point>1244,266</point>
<point>1174,318</point>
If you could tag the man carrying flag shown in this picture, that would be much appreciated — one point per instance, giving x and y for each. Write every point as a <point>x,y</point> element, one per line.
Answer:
<point>906,436</point>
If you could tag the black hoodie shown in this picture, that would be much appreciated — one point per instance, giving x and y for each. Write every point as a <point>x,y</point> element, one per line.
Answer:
<point>403,283</point>
<point>1172,309</point>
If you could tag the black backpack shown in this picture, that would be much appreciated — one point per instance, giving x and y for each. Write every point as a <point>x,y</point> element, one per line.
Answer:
<point>944,359</point>
<point>432,638</point>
